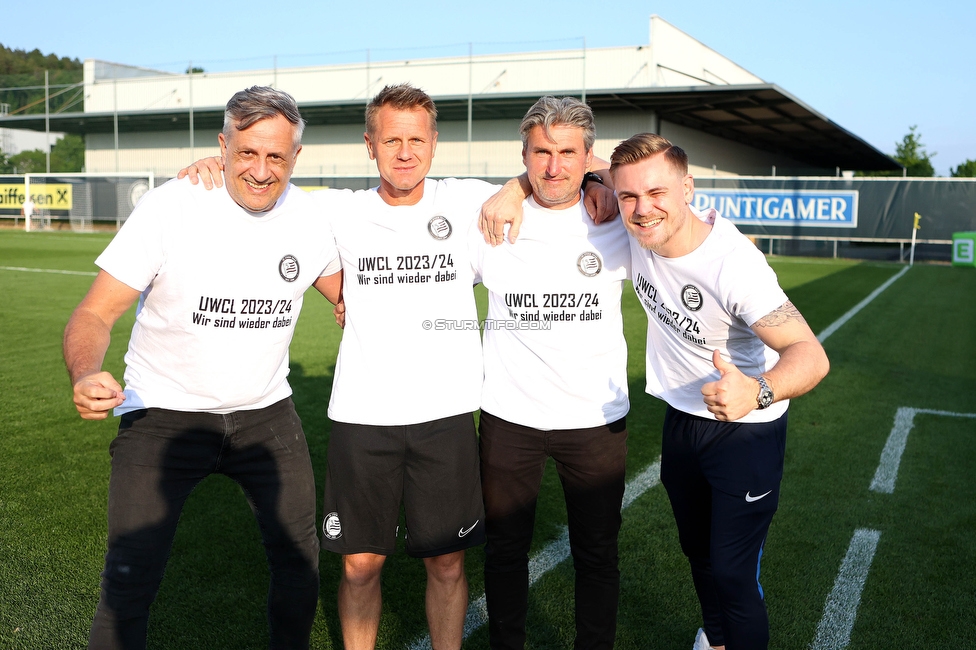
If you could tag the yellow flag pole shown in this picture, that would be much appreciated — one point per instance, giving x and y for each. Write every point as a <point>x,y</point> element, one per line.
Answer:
<point>915,229</point>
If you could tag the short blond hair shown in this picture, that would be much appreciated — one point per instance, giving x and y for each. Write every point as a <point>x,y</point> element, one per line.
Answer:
<point>402,97</point>
<point>645,145</point>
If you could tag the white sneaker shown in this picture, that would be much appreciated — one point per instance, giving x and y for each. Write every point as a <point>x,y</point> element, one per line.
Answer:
<point>701,641</point>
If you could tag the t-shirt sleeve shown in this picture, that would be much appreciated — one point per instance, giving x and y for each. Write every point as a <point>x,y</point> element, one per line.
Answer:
<point>330,253</point>
<point>470,192</point>
<point>330,204</point>
<point>755,291</point>
<point>476,251</point>
<point>627,258</point>
<point>468,195</point>
<point>135,256</point>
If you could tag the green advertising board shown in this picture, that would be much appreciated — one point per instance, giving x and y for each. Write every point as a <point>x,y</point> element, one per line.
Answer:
<point>964,249</point>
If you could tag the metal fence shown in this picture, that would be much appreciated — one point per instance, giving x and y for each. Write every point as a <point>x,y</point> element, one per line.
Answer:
<point>883,207</point>
<point>76,201</point>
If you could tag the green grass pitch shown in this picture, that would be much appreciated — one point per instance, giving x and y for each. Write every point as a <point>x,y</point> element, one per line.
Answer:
<point>914,346</point>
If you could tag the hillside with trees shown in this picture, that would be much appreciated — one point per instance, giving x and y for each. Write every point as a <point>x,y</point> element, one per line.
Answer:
<point>22,81</point>
<point>22,93</point>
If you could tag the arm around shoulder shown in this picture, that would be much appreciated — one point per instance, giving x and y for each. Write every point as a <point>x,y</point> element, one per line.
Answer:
<point>207,170</point>
<point>330,286</point>
<point>505,206</point>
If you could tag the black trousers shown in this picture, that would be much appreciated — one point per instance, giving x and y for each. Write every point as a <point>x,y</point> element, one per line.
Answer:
<point>723,481</point>
<point>591,466</point>
<point>158,457</point>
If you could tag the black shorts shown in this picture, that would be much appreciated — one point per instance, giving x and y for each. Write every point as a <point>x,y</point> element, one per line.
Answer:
<point>431,467</point>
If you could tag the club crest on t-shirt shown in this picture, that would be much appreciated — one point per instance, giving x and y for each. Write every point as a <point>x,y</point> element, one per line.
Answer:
<point>288,268</point>
<point>439,228</point>
<point>589,264</point>
<point>691,297</point>
<point>331,527</point>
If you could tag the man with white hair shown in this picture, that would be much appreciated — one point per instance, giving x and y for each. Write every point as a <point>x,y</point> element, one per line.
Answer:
<point>220,278</point>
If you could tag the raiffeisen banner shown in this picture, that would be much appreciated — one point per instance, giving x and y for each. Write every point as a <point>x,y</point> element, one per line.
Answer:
<point>805,208</point>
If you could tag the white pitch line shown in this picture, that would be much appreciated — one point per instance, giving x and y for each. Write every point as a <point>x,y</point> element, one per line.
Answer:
<point>558,550</point>
<point>837,324</point>
<point>834,630</point>
<point>59,271</point>
<point>887,472</point>
<point>840,611</point>
<point>550,556</point>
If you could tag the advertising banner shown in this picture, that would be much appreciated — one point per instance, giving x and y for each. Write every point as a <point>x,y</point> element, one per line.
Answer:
<point>789,207</point>
<point>46,196</point>
<point>862,207</point>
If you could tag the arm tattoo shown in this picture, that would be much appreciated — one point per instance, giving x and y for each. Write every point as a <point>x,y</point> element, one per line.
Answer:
<point>782,314</point>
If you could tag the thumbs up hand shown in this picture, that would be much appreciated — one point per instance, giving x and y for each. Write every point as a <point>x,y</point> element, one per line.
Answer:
<point>733,396</point>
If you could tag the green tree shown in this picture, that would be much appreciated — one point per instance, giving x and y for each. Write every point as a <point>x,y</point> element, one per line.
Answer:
<point>24,62</point>
<point>68,154</point>
<point>911,153</point>
<point>29,162</point>
<point>22,81</point>
<point>964,170</point>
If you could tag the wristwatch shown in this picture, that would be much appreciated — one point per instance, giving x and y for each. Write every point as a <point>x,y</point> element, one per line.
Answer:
<point>765,396</point>
<point>591,177</point>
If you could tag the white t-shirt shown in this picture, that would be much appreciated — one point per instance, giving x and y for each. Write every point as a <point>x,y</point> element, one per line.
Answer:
<point>701,301</point>
<point>411,348</point>
<point>222,290</point>
<point>555,353</point>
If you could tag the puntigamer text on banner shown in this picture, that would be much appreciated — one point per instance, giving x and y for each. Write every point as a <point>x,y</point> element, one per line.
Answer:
<point>808,208</point>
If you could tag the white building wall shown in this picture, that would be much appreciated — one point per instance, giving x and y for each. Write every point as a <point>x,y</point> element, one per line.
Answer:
<point>672,58</point>
<point>495,150</point>
<point>710,155</point>
<point>680,60</point>
<point>13,141</point>
<point>162,153</point>
<point>115,87</point>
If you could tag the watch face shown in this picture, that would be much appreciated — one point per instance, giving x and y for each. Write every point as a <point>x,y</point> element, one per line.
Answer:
<point>765,397</point>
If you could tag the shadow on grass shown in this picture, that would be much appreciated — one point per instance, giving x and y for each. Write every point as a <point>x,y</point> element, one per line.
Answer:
<point>214,593</point>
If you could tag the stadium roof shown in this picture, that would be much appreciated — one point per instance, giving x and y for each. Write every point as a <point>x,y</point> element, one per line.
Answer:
<point>761,116</point>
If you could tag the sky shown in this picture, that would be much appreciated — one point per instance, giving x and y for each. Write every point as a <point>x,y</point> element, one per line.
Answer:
<point>873,67</point>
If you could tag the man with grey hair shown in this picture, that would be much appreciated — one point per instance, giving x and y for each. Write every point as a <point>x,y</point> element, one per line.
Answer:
<point>420,449</point>
<point>220,278</point>
<point>555,379</point>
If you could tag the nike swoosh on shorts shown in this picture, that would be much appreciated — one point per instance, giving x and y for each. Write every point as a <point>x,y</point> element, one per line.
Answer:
<point>462,532</point>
